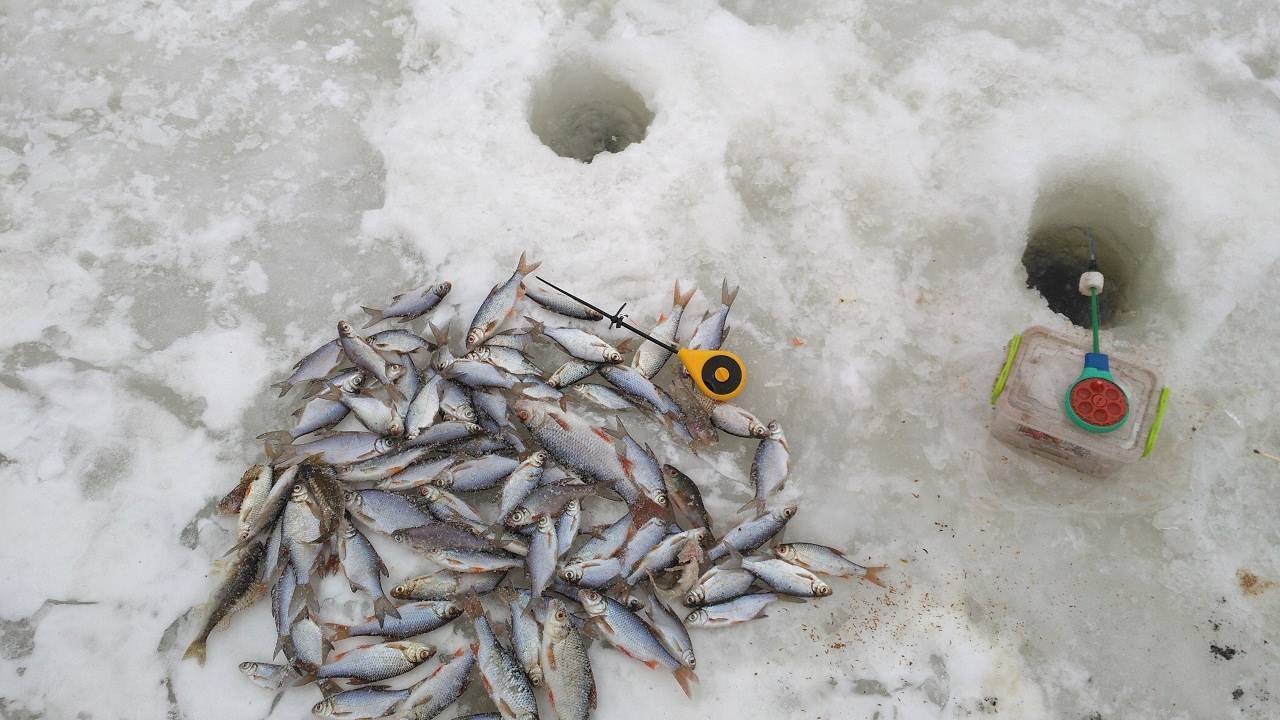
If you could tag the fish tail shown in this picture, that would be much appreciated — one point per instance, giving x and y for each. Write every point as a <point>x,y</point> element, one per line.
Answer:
<point>727,296</point>
<point>383,607</point>
<point>197,649</point>
<point>275,442</point>
<point>340,632</point>
<point>684,676</point>
<point>284,386</point>
<point>756,503</point>
<point>872,574</point>
<point>470,603</point>
<point>524,267</point>
<point>375,316</point>
<point>682,299</point>
<point>281,640</point>
<point>535,327</point>
<point>439,335</point>
<point>394,393</point>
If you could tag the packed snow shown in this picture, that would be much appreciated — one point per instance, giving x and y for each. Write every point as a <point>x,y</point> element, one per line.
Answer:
<point>194,193</point>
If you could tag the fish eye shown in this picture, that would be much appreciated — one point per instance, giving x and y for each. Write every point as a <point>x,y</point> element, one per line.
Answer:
<point>246,666</point>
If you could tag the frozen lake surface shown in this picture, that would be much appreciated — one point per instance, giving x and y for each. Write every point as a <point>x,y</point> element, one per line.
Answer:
<point>192,193</point>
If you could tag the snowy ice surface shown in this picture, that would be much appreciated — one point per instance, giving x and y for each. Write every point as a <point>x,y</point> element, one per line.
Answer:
<point>194,192</point>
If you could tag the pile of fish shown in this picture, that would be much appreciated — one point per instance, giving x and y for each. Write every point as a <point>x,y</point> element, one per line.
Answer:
<point>486,468</point>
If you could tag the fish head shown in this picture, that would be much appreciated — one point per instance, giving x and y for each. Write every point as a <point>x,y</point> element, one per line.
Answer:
<point>394,371</point>
<point>430,493</point>
<point>519,517</point>
<point>248,667</point>
<point>345,329</point>
<point>689,660</point>
<point>401,537</point>
<point>537,459</point>
<point>571,573</point>
<point>658,496</point>
<point>383,445</point>
<point>572,508</point>
<point>403,590</point>
<point>349,530</point>
<point>775,430</point>
<point>450,611</point>
<point>474,336</point>
<point>443,288</point>
<point>694,596</point>
<point>592,601</point>
<point>696,618</point>
<point>352,499</point>
<point>699,535</point>
<point>633,601</point>
<point>298,493</point>
<point>785,512</point>
<point>821,589</point>
<point>352,382</point>
<point>784,552</point>
<point>417,652</point>
<point>322,708</point>
<point>613,357</point>
<point>396,426</point>
<point>758,429</point>
<point>546,524</point>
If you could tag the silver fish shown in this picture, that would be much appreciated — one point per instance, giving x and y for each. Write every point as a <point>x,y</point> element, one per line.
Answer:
<point>409,383</point>
<point>738,610</point>
<point>417,475</point>
<point>371,663</point>
<point>381,467</point>
<point>664,554</point>
<point>443,433</point>
<point>364,569</point>
<point>410,305</point>
<point>266,675</point>
<point>672,632</point>
<point>607,541</point>
<point>827,561</point>
<point>525,639</point>
<point>478,373</point>
<point>567,526</point>
<point>499,305</point>
<point>541,560</point>
<point>319,413</point>
<point>335,448</point>
<point>566,665</point>
<point>398,341</point>
<point>786,578</point>
<point>644,539</point>
<point>605,397</point>
<point>447,506</point>
<point>515,338</point>
<point>303,534</point>
<point>492,404</point>
<point>424,407</point>
<point>595,573</point>
<point>307,645</point>
<point>507,359</point>
<point>474,561</point>
<point>282,610</point>
<point>572,441</point>
<point>571,372</point>
<point>315,366</point>
<point>641,466</point>
<point>255,498</point>
<point>376,415</point>
<point>361,704</point>
<point>275,553</point>
<point>521,481</point>
<point>477,473</point>
<point>719,584</point>
<point>736,421</point>
<point>239,590</point>
<point>442,687</point>
<point>384,511</point>
<point>685,498</point>
<point>625,630</point>
<point>769,467</point>
<point>504,679</point>
<point>711,332</point>
<point>446,585</point>
<point>363,356</point>
<point>442,535</point>
<point>415,618</point>
<point>560,304</point>
<point>548,500</point>
<point>649,357</point>
<point>634,385</point>
<point>443,355</point>
<point>752,533</point>
<point>578,343</point>
<point>454,402</point>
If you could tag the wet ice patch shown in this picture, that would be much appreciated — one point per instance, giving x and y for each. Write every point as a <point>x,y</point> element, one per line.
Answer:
<point>580,111</point>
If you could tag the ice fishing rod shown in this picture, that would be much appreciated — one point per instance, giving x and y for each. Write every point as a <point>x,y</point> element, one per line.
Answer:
<point>719,374</point>
<point>1095,401</point>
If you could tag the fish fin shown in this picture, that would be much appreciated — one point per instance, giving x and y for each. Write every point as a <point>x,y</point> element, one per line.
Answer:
<point>329,687</point>
<point>395,394</point>
<point>439,335</point>
<point>197,649</point>
<point>782,597</point>
<point>873,574</point>
<point>375,316</point>
<point>470,603</point>
<point>727,296</point>
<point>275,442</point>
<point>683,299</point>
<point>559,420</point>
<point>284,386</point>
<point>382,607</point>
<point>280,643</point>
<point>757,503</point>
<point>274,702</point>
<point>524,268</point>
<point>331,393</point>
<point>683,676</point>
<point>651,664</point>
<point>340,632</point>
<point>625,345</point>
<point>535,328</point>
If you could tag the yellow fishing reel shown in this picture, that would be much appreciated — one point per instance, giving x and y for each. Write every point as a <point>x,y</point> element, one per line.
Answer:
<point>718,374</point>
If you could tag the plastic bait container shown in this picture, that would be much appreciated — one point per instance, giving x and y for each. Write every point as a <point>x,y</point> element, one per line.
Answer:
<point>1040,365</point>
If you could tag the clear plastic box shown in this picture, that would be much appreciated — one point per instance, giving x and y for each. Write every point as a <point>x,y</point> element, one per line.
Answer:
<point>1029,413</point>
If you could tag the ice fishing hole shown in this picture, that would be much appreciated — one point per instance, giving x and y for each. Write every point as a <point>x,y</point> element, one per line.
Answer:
<point>1057,251</point>
<point>579,112</point>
